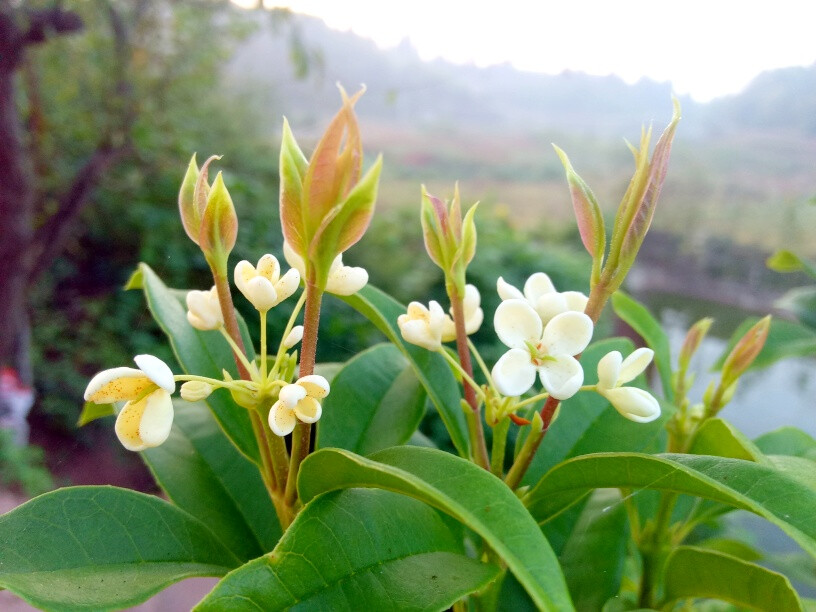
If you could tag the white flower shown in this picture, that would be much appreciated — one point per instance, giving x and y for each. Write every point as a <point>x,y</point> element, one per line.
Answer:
<point>343,280</point>
<point>294,336</point>
<point>474,315</point>
<point>263,285</point>
<point>298,401</point>
<point>540,293</point>
<point>204,309</point>
<point>146,418</point>
<point>614,371</point>
<point>537,348</point>
<point>423,326</point>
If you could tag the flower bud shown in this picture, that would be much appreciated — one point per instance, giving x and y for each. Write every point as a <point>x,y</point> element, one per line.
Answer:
<point>195,390</point>
<point>449,240</point>
<point>692,342</point>
<point>294,336</point>
<point>219,225</point>
<point>746,350</point>
<point>325,207</point>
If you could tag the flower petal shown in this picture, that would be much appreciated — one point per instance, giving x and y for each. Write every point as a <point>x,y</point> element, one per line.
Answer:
<point>290,395</point>
<point>244,272</point>
<point>346,280</point>
<point>116,384</point>
<point>127,425</point>
<point>514,373</point>
<point>282,419</point>
<point>633,403</point>
<point>308,410</point>
<point>517,323</point>
<point>634,364</point>
<point>417,331</point>
<point>261,293</point>
<point>474,321</point>
<point>471,300</point>
<point>157,418</point>
<point>448,329</point>
<point>293,259</point>
<point>269,268</point>
<point>507,291</point>
<point>609,370</point>
<point>315,385</point>
<point>549,305</point>
<point>537,285</point>
<point>561,376</point>
<point>567,333</point>
<point>157,371</point>
<point>287,285</point>
<point>576,300</point>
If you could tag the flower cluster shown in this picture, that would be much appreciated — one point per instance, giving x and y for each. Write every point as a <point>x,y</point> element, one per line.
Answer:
<point>545,332</point>
<point>146,418</point>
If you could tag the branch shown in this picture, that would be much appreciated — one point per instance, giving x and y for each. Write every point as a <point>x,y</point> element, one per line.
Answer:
<point>50,238</point>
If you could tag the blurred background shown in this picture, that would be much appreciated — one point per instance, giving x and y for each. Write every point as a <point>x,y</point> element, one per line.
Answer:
<point>102,102</point>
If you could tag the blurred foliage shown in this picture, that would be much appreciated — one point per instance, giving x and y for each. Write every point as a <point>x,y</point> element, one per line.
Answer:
<point>23,467</point>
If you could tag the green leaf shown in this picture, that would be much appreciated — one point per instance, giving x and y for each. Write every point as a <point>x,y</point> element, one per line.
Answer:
<point>471,495</point>
<point>594,555</point>
<point>91,412</point>
<point>204,353</point>
<point>587,423</point>
<point>787,261</point>
<point>802,303</point>
<point>357,549</point>
<point>102,548</point>
<point>735,548</point>
<point>699,573</point>
<point>588,213</point>
<point>375,402</point>
<point>202,473</point>
<point>431,369</point>
<point>787,441</point>
<point>647,327</point>
<point>781,498</point>
<point>785,339</point>
<point>721,438</point>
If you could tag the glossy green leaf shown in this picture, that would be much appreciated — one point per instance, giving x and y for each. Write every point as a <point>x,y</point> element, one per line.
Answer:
<point>785,339</point>
<point>637,316</point>
<point>204,353</point>
<point>102,548</point>
<point>471,495</point>
<point>202,473</point>
<point>375,402</point>
<point>587,423</point>
<point>699,573</point>
<point>357,549</point>
<point>781,498</point>
<point>735,548</point>
<point>91,412</point>
<point>787,441</point>
<point>786,261</point>
<point>431,369</point>
<point>721,438</point>
<point>594,555</point>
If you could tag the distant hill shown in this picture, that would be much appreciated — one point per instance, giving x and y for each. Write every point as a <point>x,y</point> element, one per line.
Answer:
<point>742,166</point>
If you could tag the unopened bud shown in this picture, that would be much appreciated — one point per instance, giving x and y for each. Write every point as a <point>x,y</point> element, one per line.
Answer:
<point>294,336</point>
<point>219,225</point>
<point>694,337</point>
<point>746,350</point>
<point>195,390</point>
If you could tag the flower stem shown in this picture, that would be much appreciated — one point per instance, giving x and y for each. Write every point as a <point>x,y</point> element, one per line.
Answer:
<point>302,436</point>
<point>481,363</point>
<point>263,346</point>
<point>233,335</point>
<point>289,325</point>
<point>479,449</point>
<point>499,445</point>
<point>465,376</point>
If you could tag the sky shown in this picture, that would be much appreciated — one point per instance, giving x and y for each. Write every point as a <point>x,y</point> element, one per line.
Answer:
<point>705,48</point>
